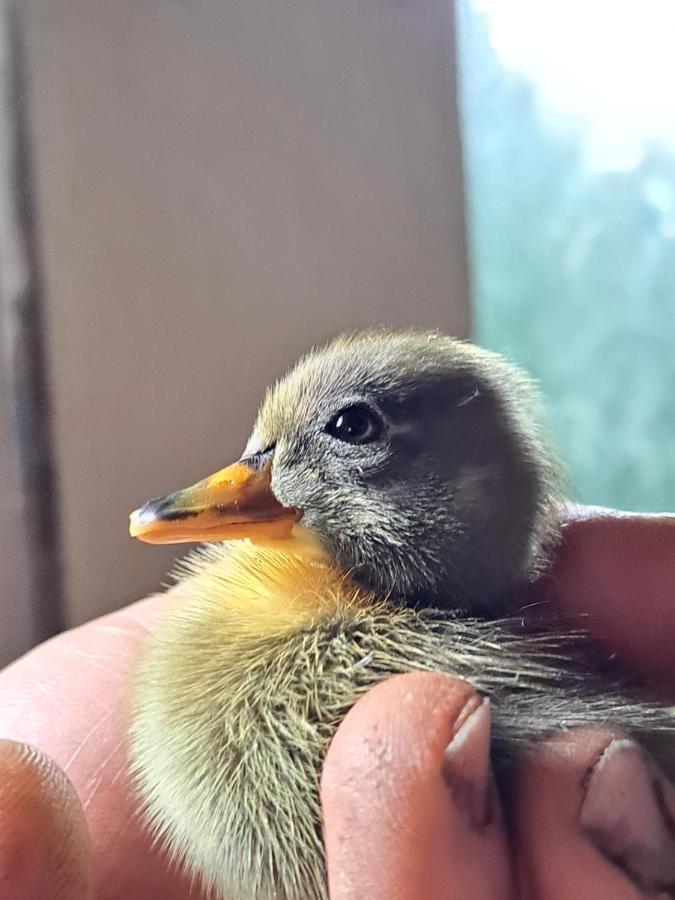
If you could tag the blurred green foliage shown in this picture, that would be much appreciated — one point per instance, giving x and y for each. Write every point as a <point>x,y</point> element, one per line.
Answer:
<point>573,276</point>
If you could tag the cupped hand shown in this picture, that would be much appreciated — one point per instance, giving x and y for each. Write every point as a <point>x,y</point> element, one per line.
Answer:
<point>410,808</point>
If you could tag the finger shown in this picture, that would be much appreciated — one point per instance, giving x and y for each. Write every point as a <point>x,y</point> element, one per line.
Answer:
<point>410,809</point>
<point>594,819</point>
<point>615,573</point>
<point>43,835</point>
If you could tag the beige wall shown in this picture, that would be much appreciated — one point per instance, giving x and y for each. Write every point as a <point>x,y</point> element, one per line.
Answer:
<point>221,183</point>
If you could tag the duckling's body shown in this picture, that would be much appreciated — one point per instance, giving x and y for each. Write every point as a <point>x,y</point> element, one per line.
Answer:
<point>244,687</point>
<point>272,643</point>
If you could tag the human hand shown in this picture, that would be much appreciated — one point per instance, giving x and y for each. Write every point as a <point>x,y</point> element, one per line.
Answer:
<point>404,821</point>
<point>396,826</point>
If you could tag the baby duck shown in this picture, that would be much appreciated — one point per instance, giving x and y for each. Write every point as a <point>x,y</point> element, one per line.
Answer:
<point>394,488</point>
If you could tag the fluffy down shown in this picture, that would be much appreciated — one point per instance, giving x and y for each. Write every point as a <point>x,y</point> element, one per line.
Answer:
<point>243,688</point>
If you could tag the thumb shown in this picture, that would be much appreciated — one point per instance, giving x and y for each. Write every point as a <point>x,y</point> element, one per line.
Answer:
<point>410,808</point>
<point>44,846</point>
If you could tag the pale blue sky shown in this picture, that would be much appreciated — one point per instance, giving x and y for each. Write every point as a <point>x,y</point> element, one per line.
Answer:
<point>607,66</point>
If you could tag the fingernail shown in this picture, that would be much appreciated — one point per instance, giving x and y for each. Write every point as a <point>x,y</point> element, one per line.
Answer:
<point>466,765</point>
<point>626,815</point>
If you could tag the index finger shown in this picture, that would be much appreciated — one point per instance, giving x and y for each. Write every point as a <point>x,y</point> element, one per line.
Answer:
<point>614,575</point>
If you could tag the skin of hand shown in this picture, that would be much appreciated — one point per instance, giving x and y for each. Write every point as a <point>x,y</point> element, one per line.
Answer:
<point>410,808</point>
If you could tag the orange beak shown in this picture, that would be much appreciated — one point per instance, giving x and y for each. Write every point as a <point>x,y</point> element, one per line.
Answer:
<point>236,502</point>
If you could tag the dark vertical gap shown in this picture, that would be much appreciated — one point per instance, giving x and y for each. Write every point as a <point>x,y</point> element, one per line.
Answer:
<point>21,322</point>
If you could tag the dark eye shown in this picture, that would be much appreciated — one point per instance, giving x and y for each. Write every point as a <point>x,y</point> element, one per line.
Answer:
<point>356,425</point>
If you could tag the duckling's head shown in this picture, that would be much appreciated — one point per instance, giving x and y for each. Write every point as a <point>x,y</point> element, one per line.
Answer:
<point>413,459</point>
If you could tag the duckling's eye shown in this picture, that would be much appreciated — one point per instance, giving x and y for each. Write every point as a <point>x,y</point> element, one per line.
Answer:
<point>356,424</point>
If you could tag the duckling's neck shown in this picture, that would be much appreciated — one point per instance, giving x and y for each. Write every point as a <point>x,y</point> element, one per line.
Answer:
<point>269,588</point>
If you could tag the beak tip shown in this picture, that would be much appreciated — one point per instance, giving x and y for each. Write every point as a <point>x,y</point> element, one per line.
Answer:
<point>140,518</point>
<point>134,523</point>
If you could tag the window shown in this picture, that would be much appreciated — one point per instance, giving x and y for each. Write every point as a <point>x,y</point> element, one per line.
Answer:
<point>569,128</point>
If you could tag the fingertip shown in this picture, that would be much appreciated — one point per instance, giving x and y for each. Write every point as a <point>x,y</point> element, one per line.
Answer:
<point>423,703</point>
<point>406,790</point>
<point>593,818</point>
<point>43,833</point>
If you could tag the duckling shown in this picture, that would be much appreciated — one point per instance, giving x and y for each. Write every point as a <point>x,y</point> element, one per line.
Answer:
<point>395,487</point>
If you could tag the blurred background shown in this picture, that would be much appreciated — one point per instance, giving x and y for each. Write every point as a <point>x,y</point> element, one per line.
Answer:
<point>193,193</point>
